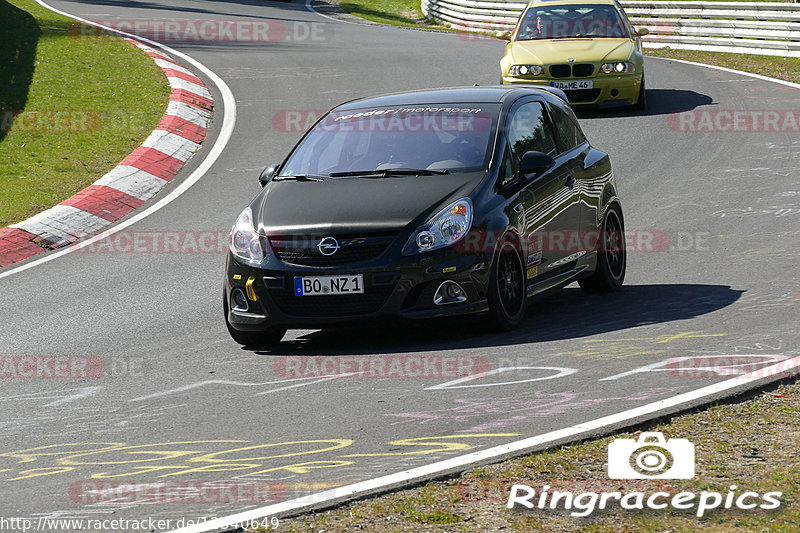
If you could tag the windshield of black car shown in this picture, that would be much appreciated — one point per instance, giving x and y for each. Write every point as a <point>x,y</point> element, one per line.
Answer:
<point>571,21</point>
<point>441,137</point>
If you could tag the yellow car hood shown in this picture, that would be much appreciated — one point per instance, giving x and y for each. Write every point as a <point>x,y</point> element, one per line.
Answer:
<point>551,51</point>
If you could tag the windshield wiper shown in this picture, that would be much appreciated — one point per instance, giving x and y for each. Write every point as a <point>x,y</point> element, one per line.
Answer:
<point>390,172</point>
<point>300,177</point>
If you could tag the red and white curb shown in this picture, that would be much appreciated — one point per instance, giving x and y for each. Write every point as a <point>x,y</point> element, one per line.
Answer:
<point>129,185</point>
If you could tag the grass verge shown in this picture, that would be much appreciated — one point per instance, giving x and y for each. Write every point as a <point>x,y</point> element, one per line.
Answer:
<point>783,68</point>
<point>394,12</point>
<point>71,107</point>
<point>750,444</point>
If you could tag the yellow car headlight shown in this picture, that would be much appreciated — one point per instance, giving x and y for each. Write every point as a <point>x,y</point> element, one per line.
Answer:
<point>620,67</point>
<point>525,70</point>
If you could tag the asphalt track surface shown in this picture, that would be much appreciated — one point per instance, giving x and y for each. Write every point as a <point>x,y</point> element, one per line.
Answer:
<point>178,400</point>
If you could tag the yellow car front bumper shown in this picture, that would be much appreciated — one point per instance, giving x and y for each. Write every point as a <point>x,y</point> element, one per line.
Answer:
<point>606,91</point>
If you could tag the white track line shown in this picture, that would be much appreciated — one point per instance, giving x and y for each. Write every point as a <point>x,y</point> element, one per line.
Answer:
<point>585,429</point>
<point>228,122</point>
<point>732,71</point>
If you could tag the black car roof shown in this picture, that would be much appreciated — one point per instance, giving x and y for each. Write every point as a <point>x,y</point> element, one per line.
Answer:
<point>453,95</point>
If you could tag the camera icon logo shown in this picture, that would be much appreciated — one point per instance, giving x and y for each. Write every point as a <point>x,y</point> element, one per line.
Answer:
<point>651,457</point>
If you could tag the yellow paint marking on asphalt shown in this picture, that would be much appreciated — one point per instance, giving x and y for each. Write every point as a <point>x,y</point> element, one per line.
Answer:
<point>634,346</point>
<point>38,472</point>
<point>211,457</point>
<point>304,468</point>
<point>441,446</point>
<point>71,456</point>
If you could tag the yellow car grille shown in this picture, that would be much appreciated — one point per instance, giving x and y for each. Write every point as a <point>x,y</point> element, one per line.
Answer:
<point>579,70</point>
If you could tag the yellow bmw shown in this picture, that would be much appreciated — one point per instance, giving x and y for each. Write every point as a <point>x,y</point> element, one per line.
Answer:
<point>587,48</point>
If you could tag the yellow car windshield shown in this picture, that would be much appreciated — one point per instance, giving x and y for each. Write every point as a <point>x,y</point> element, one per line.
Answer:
<point>571,22</point>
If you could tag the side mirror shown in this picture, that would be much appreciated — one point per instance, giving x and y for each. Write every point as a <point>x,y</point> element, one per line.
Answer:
<point>535,163</point>
<point>641,32</point>
<point>268,174</point>
<point>504,35</point>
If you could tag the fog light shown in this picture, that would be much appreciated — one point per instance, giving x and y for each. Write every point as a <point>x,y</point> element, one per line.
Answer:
<point>239,301</point>
<point>449,292</point>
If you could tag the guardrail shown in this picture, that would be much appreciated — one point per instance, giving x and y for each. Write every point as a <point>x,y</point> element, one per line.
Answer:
<point>744,27</point>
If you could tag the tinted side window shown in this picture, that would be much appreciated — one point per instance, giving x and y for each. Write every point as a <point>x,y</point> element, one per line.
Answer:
<point>507,173</point>
<point>529,129</point>
<point>568,133</point>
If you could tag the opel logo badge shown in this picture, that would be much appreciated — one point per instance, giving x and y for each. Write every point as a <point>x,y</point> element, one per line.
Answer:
<point>328,246</point>
<point>571,59</point>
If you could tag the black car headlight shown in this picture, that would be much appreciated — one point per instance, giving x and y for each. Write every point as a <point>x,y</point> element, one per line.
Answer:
<point>244,240</point>
<point>447,227</point>
<point>525,70</point>
<point>620,67</point>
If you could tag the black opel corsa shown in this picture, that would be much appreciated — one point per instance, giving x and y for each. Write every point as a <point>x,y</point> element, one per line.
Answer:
<point>425,204</point>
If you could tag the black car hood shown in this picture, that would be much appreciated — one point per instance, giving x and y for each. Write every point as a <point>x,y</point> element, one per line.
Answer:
<point>347,205</point>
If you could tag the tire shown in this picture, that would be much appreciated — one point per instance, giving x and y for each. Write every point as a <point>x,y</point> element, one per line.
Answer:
<point>641,101</point>
<point>611,256</point>
<point>507,296</point>
<point>256,339</point>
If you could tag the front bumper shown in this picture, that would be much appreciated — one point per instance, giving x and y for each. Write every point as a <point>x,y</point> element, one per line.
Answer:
<point>402,288</point>
<point>607,91</point>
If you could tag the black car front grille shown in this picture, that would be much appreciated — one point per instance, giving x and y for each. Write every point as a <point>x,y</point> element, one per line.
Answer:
<point>583,95</point>
<point>581,70</point>
<point>304,251</point>
<point>372,300</point>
